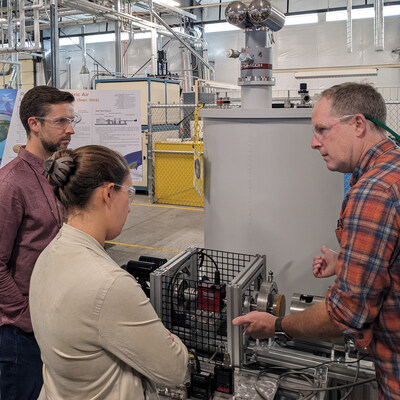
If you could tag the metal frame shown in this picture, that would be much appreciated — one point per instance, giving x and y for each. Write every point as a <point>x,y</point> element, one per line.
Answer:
<point>241,273</point>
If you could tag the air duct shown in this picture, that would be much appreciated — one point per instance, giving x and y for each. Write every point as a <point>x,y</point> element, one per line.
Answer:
<point>379,26</point>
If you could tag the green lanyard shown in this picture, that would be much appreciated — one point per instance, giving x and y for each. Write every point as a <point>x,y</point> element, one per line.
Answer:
<point>386,128</point>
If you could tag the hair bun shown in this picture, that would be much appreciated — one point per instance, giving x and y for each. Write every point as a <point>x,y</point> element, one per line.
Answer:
<point>54,168</point>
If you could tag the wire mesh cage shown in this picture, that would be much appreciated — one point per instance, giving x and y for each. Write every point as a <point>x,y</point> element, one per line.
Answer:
<point>172,148</point>
<point>189,293</point>
<point>393,115</point>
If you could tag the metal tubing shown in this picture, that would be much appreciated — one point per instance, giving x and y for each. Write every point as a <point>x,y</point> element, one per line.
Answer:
<point>150,158</point>
<point>174,152</point>
<point>55,78</point>
<point>154,52</point>
<point>187,71</point>
<point>118,53</point>
<point>68,59</point>
<point>161,21</point>
<point>19,70</point>
<point>21,23</point>
<point>36,27</point>
<point>39,4</point>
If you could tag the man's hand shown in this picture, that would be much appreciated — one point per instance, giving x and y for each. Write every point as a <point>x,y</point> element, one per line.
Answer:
<point>259,325</point>
<point>325,266</point>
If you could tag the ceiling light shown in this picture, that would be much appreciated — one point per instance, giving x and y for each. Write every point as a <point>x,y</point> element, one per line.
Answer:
<point>170,3</point>
<point>219,27</point>
<point>361,13</point>
<point>332,16</point>
<point>390,11</point>
<point>336,73</point>
<point>69,41</point>
<point>142,35</point>
<point>301,19</point>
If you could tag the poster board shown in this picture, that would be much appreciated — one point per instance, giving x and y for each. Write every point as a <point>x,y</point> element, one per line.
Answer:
<point>109,118</point>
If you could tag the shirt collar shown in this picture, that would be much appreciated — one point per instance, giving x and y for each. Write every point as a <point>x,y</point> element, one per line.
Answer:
<point>368,161</point>
<point>33,160</point>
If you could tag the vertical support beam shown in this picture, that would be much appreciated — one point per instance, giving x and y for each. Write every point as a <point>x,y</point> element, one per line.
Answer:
<point>379,27</point>
<point>153,42</point>
<point>22,36</point>
<point>150,155</point>
<point>154,51</point>
<point>36,27</point>
<point>118,53</point>
<point>349,31</point>
<point>55,61</point>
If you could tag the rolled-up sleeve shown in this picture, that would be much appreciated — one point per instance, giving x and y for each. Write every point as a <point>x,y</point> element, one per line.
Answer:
<point>370,232</point>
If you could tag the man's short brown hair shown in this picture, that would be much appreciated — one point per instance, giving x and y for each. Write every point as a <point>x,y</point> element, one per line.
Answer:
<point>37,100</point>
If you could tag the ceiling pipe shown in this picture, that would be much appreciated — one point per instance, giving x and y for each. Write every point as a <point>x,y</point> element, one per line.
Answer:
<point>379,41</point>
<point>18,66</point>
<point>197,55</point>
<point>349,27</point>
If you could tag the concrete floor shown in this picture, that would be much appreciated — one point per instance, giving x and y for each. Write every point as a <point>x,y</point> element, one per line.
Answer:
<point>157,231</point>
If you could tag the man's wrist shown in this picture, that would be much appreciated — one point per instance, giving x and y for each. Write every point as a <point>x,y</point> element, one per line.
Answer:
<point>279,330</point>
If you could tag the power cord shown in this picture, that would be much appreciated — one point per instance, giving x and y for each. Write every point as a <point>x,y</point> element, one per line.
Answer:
<point>310,379</point>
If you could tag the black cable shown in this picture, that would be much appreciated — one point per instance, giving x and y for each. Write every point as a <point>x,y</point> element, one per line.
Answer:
<point>201,252</point>
<point>189,115</point>
<point>193,353</point>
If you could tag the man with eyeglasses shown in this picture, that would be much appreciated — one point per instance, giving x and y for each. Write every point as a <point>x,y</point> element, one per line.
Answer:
<point>364,302</point>
<point>30,217</point>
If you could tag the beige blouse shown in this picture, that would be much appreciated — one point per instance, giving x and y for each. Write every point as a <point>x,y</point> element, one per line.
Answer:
<point>99,335</point>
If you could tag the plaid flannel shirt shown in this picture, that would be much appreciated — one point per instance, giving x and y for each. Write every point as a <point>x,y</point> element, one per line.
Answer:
<point>364,301</point>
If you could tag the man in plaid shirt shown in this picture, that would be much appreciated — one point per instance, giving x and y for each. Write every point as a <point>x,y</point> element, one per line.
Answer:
<point>364,302</point>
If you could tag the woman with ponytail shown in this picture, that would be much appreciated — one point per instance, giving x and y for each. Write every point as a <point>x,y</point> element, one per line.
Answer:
<point>99,336</point>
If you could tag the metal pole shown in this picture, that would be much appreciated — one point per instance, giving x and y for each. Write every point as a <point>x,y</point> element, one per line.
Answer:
<point>150,155</point>
<point>349,31</point>
<point>54,60</point>
<point>379,27</point>
<point>118,53</point>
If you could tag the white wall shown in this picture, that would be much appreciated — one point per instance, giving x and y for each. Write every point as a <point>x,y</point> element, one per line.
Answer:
<point>314,46</point>
<point>296,47</point>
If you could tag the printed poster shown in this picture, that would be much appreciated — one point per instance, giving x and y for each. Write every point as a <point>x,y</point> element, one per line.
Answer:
<point>7,101</point>
<point>110,118</point>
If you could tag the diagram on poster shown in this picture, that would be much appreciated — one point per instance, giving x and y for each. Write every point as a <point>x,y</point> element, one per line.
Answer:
<point>109,118</point>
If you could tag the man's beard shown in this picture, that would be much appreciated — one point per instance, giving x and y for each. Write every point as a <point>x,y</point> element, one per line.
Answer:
<point>51,147</point>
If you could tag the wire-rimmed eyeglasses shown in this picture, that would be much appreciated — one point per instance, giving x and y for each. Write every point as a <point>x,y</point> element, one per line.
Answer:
<point>322,128</point>
<point>131,191</point>
<point>62,122</point>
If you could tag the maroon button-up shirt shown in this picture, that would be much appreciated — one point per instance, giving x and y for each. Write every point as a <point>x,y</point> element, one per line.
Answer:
<point>30,217</point>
